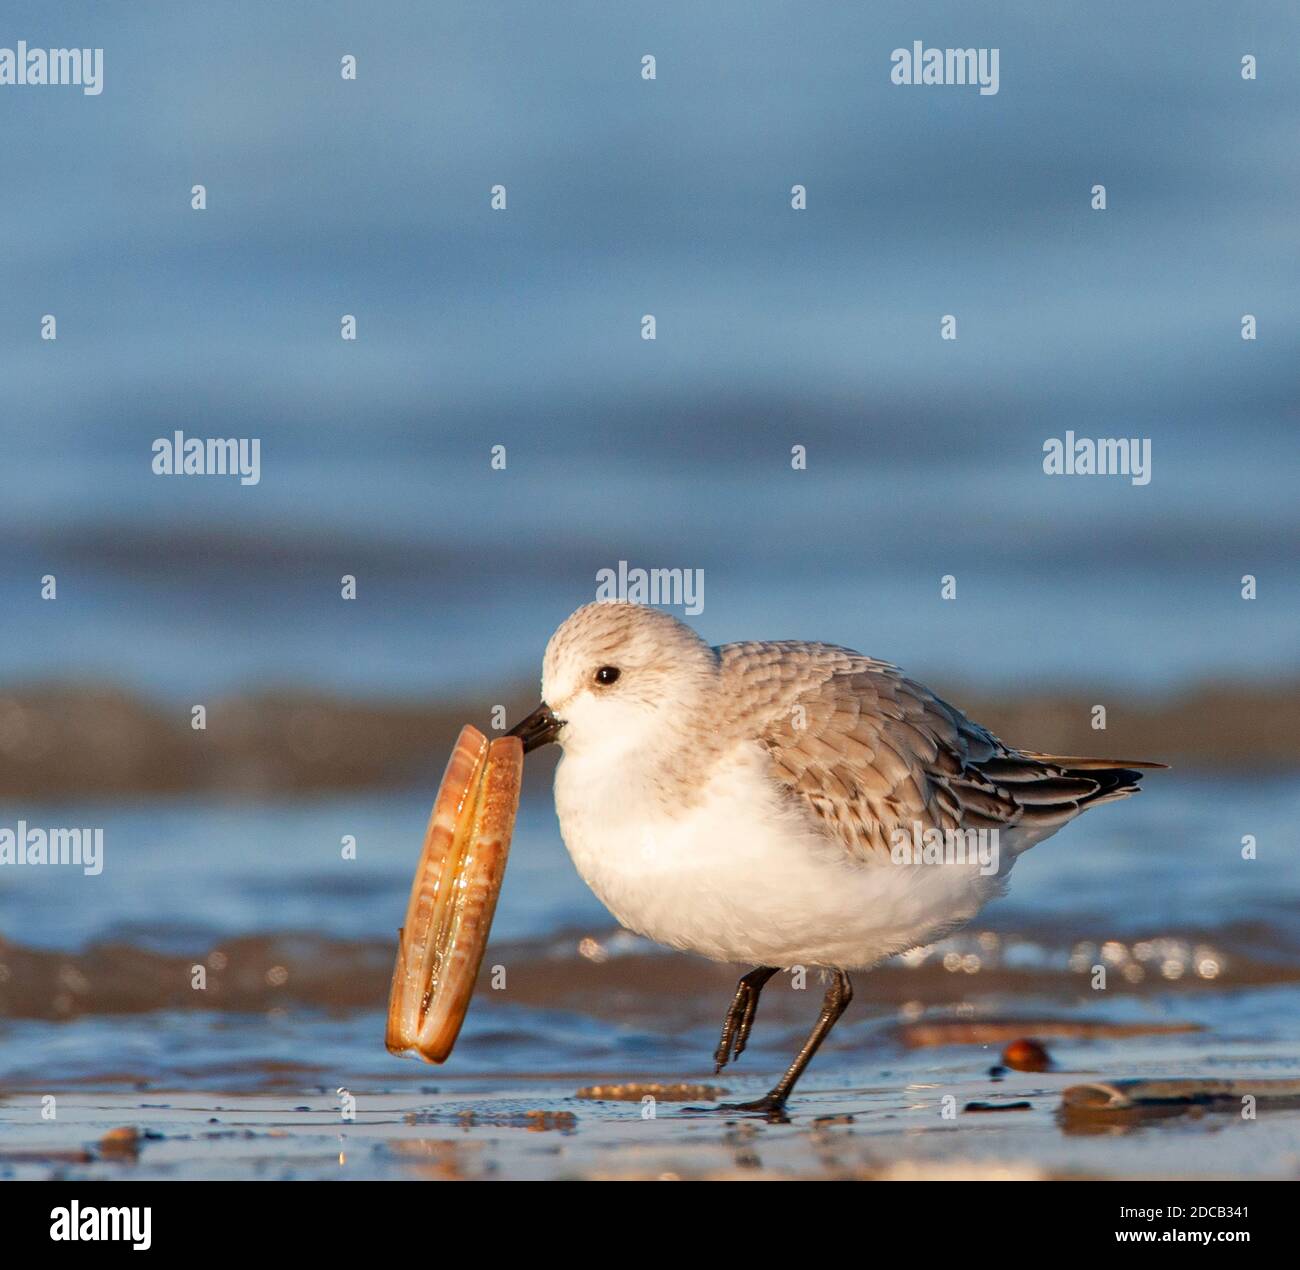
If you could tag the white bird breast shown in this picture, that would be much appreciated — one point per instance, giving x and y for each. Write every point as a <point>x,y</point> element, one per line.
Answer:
<point>743,874</point>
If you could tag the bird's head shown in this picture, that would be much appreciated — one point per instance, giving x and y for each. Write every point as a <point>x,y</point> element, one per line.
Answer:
<point>619,676</point>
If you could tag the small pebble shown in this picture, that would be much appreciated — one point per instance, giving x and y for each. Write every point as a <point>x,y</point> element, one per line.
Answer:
<point>121,1143</point>
<point>1026,1055</point>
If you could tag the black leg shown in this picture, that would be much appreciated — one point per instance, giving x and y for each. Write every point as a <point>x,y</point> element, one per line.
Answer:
<point>740,1017</point>
<point>836,1001</point>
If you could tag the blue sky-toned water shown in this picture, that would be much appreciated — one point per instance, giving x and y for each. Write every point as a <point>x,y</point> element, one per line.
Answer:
<point>522,328</point>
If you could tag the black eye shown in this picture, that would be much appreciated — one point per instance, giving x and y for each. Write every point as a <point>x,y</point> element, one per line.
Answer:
<point>607,674</point>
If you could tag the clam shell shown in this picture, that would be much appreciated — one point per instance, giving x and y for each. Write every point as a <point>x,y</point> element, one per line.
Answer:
<point>454,895</point>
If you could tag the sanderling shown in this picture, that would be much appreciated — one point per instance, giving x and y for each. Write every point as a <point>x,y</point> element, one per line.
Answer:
<point>759,802</point>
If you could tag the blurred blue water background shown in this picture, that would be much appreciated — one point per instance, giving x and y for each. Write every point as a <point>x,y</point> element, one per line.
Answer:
<point>522,328</point>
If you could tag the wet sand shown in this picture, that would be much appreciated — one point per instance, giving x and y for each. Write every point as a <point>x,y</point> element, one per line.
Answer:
<point>921,1080</point>
<point>866,1124</point>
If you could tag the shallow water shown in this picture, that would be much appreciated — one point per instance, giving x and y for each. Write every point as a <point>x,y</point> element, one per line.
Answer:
<point>95,980</point>
<point>182,874</point>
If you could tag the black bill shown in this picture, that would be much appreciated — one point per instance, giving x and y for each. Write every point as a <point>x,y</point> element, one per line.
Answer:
<point>540,727</point>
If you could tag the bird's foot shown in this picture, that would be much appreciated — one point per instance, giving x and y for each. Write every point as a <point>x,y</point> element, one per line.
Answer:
<point>736,1026</point>
<point>771,1105</point>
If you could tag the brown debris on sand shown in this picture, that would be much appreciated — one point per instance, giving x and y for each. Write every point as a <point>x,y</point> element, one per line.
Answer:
<point>995,1031</point>
<point>1137,1095</point>
<point>633,1092</point>
<point>122,1143</point>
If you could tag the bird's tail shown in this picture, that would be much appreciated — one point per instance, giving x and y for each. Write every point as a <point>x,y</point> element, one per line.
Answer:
<point>1114,778</point>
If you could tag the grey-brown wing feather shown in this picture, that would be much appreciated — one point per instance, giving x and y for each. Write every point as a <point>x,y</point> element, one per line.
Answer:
<point>869,751</point>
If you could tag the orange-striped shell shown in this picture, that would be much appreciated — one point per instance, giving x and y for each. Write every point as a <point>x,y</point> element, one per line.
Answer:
<point>454,895</point>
